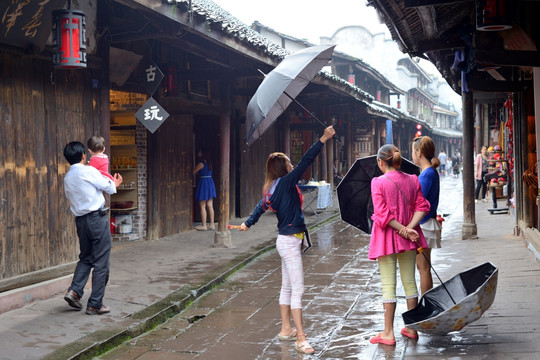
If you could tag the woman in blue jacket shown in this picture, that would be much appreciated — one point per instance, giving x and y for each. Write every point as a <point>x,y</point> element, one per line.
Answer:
<point>423,154</point>
<point>282,196</point>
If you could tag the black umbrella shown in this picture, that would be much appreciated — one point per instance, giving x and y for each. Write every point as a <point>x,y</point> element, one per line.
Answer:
<point>354,191</point>
<point>456,302</point>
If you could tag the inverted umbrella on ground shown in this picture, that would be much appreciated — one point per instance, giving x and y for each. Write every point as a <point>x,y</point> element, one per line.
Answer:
<point>354,191</point>
<point>456,302</point>
<point>281,86</point>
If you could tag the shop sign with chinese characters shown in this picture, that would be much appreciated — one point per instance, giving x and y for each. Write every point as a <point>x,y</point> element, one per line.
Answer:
<point>154,76</point>
<point>151,115</point>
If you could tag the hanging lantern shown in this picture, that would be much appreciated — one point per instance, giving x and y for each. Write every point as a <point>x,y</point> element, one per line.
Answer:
<point>418,134</point>
<point>493,15</point>
<point>69,39</point>
<point>171,80</point>
<point>399,104</point>
<point>418,126</point>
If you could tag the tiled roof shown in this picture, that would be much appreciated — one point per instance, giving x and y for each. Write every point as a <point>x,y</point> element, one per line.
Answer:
<point>230,25</point>
<point>214,14</point>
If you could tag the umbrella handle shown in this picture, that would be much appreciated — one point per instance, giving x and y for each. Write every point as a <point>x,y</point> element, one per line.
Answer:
<point>421,250</point>
<point>310,114</point>
<point>303,108</point>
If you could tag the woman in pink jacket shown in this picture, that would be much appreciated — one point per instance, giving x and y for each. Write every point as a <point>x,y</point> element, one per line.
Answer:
<point>398,208</point>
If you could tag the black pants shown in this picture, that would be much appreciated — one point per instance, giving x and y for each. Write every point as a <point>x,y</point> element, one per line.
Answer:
<point>95,244</point>
<point>480,184</point>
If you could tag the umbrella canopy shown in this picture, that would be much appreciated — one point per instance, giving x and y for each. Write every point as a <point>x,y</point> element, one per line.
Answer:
<point>473,292</point>
<point>281,86</point>
<point>354,191</point>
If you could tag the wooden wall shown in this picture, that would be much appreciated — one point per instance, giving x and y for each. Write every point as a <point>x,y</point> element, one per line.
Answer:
<point>170,179</point>
<point>41,110</point>
<point>253,168</point>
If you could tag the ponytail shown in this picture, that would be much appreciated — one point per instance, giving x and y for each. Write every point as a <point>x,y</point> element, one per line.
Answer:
<point>390,155</point>
<point>427,148</point>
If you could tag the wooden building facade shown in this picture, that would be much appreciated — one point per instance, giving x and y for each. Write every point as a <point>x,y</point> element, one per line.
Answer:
<point>491,58</point>
<point>209,74</point>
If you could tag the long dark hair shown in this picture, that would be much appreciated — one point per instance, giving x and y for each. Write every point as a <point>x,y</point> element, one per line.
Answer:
<point>276,167</point>
<point>206,155</point>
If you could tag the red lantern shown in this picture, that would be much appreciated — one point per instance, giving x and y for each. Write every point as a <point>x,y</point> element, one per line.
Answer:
<point>418,133</point>
<point>69,39</point>
<point>171,80</point>
<point>418,126</point>
<point>493,15</point>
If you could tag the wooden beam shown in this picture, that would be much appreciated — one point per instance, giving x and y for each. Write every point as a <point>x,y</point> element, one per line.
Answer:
<point>418,3</point>
<point>508,57</point>
<point>439,44</point>
<point>477,84</point>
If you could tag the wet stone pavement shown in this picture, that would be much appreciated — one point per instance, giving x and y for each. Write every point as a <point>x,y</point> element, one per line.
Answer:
<point>342,302</point>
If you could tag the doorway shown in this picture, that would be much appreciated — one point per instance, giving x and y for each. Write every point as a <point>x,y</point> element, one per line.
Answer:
<point>206,135</point>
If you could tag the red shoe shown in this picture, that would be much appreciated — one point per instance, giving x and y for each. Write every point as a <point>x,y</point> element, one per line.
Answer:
<point>379,340</point>
<point>406,333</point>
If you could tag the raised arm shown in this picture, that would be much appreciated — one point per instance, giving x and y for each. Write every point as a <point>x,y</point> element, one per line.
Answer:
<point>308,158</point>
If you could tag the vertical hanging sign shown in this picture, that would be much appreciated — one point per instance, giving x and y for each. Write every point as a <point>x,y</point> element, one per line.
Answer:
<point>151,114</point>
<point>154,76</point>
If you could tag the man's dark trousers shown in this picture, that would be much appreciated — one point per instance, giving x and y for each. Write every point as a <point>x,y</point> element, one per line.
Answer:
<point>95,244</point>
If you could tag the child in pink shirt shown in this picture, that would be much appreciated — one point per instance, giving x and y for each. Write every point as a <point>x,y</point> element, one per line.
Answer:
<point>98,159</point>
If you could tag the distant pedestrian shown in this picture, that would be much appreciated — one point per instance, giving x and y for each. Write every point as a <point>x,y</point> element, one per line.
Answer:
<point>456,164</point>
<point>206,189</point>
<point>98,158</point>
<point>442,159</point>
<point>423,154</point>
<point>480,171</point>
<point>458,156</point>
<point>398,208</point>
<point>84,186</point>
<point>282,196</point>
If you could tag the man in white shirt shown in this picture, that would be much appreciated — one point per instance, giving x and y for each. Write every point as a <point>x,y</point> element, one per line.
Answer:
<point>84,186</point>
<point>442,159</point>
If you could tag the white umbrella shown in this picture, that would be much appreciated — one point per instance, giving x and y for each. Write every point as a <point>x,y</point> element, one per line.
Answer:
<point>281,86</point>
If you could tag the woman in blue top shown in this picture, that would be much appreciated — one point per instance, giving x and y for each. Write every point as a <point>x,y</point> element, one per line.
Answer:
<point>423,150</point>
<point>206,190</point>
<point>281,195</point>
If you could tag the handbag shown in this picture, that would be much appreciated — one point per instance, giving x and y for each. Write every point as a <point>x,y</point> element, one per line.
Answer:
<point>306,242</point>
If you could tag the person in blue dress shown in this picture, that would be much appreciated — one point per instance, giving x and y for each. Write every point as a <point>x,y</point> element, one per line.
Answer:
<point>423,154</point>
<point>206,190</point>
